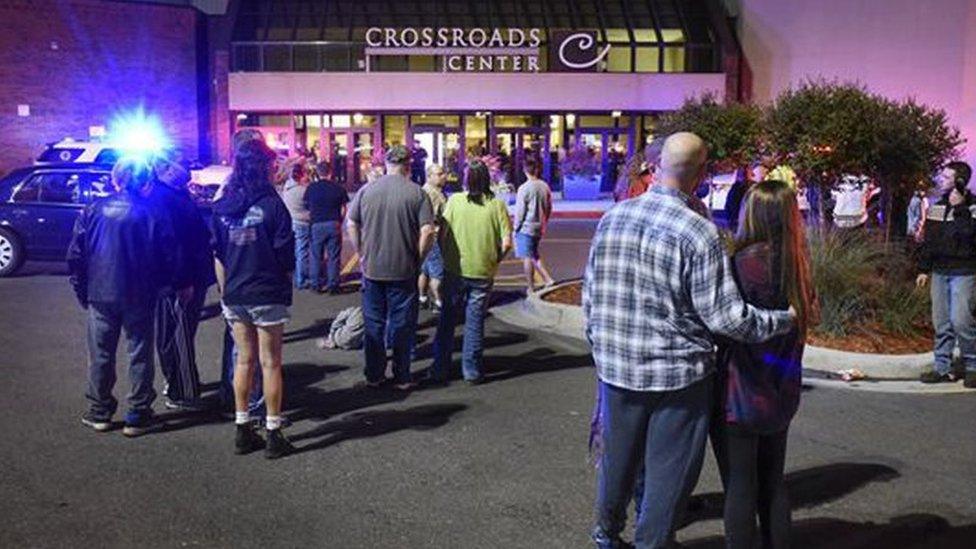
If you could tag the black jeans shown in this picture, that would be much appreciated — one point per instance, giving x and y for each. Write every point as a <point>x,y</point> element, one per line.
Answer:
<point>752,470</point>
<point>105,324</point>
<point>663,431</point>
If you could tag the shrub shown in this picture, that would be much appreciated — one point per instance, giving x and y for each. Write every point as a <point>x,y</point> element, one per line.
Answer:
<point>733,131</point>
<point>864,284</point>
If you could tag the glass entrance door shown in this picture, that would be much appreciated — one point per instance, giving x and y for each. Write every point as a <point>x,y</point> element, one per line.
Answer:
<point>350,154</point>
<point>436,145</point>
<point>511,146</point>
<point>612,148</point>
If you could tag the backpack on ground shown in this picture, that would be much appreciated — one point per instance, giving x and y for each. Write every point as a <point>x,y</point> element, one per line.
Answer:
<point>347,330</point>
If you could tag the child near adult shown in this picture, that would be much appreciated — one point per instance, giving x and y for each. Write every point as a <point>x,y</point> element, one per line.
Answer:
<point>761,389</point>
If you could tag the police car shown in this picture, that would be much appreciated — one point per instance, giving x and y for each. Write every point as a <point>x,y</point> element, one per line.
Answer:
<point>78,152</point>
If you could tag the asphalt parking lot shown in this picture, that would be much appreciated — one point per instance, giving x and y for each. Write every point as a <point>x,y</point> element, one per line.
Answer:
<point>499,465</point>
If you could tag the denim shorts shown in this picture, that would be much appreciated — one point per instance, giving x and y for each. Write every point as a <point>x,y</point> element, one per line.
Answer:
<point>434,264</point>
<point>258,315</point>
<point>527,246</point>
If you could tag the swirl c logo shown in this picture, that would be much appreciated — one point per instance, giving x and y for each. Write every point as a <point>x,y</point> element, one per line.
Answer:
<point>584,41</point>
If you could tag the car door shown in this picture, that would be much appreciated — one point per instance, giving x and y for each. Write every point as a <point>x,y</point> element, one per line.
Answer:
<point>48,203</point>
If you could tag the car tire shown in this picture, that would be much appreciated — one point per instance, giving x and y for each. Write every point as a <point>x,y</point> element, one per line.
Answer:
<point>11,252</point>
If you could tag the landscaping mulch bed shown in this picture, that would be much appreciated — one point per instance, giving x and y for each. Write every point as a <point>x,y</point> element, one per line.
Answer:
<point>871,339</point>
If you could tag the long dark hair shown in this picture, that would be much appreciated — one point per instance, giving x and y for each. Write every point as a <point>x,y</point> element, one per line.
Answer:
<point>251,176</point>
<point>771,215</point>
<point>478,182</point>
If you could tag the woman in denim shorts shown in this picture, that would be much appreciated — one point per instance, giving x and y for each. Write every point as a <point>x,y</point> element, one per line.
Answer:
<point>255,251</point>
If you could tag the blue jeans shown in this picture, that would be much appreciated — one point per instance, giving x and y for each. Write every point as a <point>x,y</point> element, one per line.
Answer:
<point>389,311</point>
<point>105,324</point>
<point>952,316</point>
<point>302,244</point>
<point>663,430</point>
<point>255,404</point>
<point>471,294</point>
<point>326,238</point>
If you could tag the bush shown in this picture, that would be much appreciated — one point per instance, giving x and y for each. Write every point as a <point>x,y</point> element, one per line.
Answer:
<point>733,131</point>
<point>865,285</point>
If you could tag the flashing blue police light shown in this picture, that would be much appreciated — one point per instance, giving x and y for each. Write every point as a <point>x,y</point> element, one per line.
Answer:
<point>137,134</point>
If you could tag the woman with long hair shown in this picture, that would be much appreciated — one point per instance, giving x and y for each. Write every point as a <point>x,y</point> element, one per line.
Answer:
<point>476,235</point>
<point>255,254</point>
<point>761,392</point>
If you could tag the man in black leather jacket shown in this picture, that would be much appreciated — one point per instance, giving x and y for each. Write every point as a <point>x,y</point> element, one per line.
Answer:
<point>194,272</point>
<point>121,256</point>
<point>948,252</point>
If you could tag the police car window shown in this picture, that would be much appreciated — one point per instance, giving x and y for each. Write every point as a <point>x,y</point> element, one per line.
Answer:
<point>51,188</point>
<point>107,156</point>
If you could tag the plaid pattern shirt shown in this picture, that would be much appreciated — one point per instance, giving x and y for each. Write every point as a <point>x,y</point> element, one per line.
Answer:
<point>658,285</point>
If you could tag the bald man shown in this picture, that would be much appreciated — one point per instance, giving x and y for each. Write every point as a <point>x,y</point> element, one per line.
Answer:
<point>658,288</point>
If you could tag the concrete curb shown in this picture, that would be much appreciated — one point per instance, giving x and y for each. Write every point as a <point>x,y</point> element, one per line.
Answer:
<point>536,314</point>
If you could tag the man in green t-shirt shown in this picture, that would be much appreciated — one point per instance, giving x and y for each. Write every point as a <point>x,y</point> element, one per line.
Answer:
<point>476,235</point>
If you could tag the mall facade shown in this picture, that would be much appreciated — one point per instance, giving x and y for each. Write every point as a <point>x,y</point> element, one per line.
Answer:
<point>459,78</point>
<point>465,79</point>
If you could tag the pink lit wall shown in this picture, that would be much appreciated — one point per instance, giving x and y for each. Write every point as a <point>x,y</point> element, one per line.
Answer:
<point>466,91</point>
<point>899,48</point>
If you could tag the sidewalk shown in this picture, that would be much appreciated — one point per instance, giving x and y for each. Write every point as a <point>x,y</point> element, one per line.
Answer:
<point>576,209</point>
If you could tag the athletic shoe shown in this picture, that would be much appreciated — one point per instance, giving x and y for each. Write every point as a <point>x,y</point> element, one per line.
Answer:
<point>475,381</point>
<point>97,423</point>
<point>278,445</point>
<point>936,377</point>
<point>141,426</point>
<point>246,440</point>
<point>408,386</point>
<point>970,381</point>
<point>184,405</point>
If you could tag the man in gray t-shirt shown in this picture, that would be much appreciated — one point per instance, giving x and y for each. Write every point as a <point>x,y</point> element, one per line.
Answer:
<point>391,225</point>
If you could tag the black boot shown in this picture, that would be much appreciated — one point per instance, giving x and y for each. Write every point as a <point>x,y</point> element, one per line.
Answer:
<point>246,440</point>
<point>278,445</point>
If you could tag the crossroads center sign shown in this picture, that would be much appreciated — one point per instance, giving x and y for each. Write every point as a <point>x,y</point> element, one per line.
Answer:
<point>483,50</point>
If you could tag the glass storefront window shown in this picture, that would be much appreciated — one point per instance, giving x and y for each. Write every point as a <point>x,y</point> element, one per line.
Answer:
<point>618,59</point>
<point>433,119</point>
<point>674,59</point>
<point>518,121</point>
<point>422,63</point>
<point>476,135</point>
<point>394,129</point>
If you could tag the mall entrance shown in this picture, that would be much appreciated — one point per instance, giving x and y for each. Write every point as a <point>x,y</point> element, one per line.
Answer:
<point>354,142</point>
<point>512,145</point>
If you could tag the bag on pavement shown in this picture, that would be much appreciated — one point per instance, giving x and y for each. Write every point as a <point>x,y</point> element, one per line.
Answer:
<point>347,330</point>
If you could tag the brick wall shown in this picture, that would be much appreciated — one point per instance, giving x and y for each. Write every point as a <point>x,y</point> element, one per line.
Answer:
<point>77,62</point>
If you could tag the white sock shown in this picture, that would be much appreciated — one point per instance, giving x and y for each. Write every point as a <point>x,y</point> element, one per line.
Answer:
<point>272,422</point>
<point>438,303</point>
<point>423,299</point>
<point>241,418</point>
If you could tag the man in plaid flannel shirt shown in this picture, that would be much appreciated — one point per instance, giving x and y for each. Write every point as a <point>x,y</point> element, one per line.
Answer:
<point>658,285</point>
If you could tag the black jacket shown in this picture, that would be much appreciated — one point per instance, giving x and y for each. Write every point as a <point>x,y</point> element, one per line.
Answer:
<point>253,239</point>
<point>949,242</point>
<point>123,251</point>
<point>195,257</point>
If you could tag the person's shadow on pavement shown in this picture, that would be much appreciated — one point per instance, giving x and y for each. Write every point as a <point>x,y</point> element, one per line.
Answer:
<point>376,423</point>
